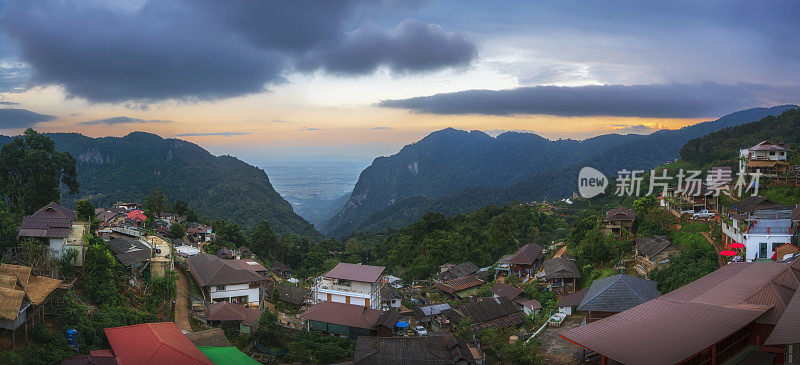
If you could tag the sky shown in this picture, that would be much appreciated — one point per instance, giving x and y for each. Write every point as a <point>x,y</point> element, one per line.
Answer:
<point>355,79</point>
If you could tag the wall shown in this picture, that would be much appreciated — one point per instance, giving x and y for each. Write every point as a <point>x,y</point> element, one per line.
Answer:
<point>236,290</point>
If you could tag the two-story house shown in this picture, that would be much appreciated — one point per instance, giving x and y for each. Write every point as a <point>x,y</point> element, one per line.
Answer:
<point>767,157</point>
<point>760,224</point>
<point>352,284</point>
<point>225,280</point>
<point>55,226</point>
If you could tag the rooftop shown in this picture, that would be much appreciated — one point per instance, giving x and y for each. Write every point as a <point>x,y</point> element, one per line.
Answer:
<point>50,221</point>
<point>618,293</point>
<point>211,270</point>
<point>354,272</point>
<point>526,255</point>
<point>348,315</point>
<point>153,343</point>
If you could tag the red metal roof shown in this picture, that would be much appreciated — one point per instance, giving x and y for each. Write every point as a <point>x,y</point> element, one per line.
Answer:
<point>137,215</point>
<point>363,273</point>
<point>153,343</point>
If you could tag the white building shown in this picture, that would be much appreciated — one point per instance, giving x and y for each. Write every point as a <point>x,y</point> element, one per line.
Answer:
<point>352,284</point>
<point>767,157</point>
<point>760,224</point>
<point>225,280</point>
<point>55,226</point>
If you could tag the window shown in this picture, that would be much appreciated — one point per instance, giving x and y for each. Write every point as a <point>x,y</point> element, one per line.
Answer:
<point>762,250</point>
<point>220,287</point>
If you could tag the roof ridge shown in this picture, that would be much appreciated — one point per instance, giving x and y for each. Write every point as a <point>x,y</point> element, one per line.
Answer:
<point>631,288</point>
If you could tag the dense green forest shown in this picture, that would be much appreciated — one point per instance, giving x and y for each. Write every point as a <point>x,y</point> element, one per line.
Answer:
<point>454,172</point>
<point>112,169</point>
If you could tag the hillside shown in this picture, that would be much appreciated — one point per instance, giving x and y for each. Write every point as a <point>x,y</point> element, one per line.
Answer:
<point>723,146</point>
<point>449,160</point>
<point>111,169</point>
<point>556,169</point>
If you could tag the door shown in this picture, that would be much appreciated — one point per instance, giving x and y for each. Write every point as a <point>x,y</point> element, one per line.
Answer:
<point>762,250</point>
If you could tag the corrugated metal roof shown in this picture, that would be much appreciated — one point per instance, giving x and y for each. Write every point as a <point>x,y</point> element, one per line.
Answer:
<point>343,314</point>
<point>526,255</point>
<point>50,221</point>
<point>153,343</point>
<point>787,331</point>
<point>363,273</point>
<point>573,299</point>
<point>227,311</point>
<point>457,285</point>
<point>618,293</point>
<point>211,270</point>
<point>505,290</point>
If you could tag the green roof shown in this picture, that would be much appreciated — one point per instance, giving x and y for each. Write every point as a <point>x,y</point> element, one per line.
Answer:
<point>227,355</point>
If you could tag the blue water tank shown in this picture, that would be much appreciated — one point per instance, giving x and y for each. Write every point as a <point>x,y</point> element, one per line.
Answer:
<point>72,338</point>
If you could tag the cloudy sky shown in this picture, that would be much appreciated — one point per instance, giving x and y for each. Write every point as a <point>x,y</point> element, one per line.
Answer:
<point>362,78</point>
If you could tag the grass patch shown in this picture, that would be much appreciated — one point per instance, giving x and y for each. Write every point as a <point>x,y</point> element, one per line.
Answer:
<point>694,227</point>
<point>687,240</point>
<point>785,195</point>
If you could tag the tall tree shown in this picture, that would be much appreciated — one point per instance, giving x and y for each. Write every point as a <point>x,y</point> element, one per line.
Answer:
<point>32,171</point>
<point>154,202</point>
<point>264,241</point>
<point>85,210</point>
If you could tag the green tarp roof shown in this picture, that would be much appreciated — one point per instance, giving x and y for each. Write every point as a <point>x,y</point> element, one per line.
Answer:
<point>226,355</point>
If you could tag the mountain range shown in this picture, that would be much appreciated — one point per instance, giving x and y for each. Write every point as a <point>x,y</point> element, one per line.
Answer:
<point>112,169</point>
<point>453,171</point>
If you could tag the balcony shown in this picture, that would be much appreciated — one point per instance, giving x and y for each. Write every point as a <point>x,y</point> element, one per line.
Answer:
<point>342,290</point>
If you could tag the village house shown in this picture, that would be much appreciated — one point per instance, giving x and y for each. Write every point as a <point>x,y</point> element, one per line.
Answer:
<point>560,274</point>
<point>487,313</point>
<point>225,280</point>
<point>615,294</point>
<point>430,315</point>
<point>151,343</point>
<point>526,260</point>
<point>349,320</point>
<point>137,216</point>
<point>450,271</point>
<point>23,297</point>
<point>459,288</point>
<point>744,310</point>
<point>390,297</point>
<point>767,157</point>
<point>351,284</point>
<point>619,221</point>
<point>502,267</point>
<point>568,304</point>
<point>230,316</point>
<point>691,197</point>
<point>55,226</point>
<point>444,348</point>
<point>133,254</point>
<point>529,306</point>
<point>199,232</point>
<point>652,251</point>
<point>291,294</point>
<point>281,269</point>
<point>761,225</point>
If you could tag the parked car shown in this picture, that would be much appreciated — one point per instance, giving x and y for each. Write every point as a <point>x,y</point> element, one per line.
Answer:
<point>703,214</point>
<point>421,330</point>
<point>690,211</point>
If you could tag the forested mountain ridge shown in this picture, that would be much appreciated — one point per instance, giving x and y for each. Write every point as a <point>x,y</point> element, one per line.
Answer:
<point>554,179</point>
<point>723,146</point>
<point>449,160</point>
<point>125,168</point>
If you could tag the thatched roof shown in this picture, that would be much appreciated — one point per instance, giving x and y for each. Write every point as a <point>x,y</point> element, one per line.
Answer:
<point>10,303</point>
<point>23,273</point>
<point>39,287</point>
<point>8,282</point>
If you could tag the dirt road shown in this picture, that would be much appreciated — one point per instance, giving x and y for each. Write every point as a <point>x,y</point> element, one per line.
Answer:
<point>716,246</point>
<point>182,302</point>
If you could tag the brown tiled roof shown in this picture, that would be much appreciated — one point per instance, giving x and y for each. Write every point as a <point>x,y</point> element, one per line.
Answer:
<point>768,146</point>
<point>249,264</point>
<point>487,309</point>
<point>363,273</point>
<point>227,311</point>
<point>651,246</point>
<point>457,285</point>
<point>433,349</point>
<point>560,268</point>
<point>529,303</point>
<point>620,214</point>
<point>505,290</point>
<point>50,221</point>
<point>682,323</point>
<point>526,255</point>
<point>458,271</point>
<point>344,314</point>
<point>572,300</point>
<point>211,270</point>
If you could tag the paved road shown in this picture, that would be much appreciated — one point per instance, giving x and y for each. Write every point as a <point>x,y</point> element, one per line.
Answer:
<point>182,302</point>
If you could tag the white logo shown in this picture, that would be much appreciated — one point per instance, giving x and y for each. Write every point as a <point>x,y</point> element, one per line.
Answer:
<point>591,182</point>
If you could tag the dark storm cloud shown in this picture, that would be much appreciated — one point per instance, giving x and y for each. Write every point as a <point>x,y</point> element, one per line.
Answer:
<point>202,134</point>
<point>186,49</point>
<point>122,120</point>
<point>21,118</point>
<point>655,101</point>
<point>413,46</point>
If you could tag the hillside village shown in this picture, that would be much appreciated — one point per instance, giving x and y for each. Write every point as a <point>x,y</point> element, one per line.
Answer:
<point>678,277</point>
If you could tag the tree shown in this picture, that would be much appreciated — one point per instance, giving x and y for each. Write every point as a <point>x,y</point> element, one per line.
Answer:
<point>180,207</point>
<point>85,210</point>
<point>177,230</point>
<point>263,241</point>
<point>32,171</point>
<point>154,201</point>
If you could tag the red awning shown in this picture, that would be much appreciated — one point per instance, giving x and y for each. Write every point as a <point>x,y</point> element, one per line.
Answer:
<point>727,253</point>
<point>737,245</point>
